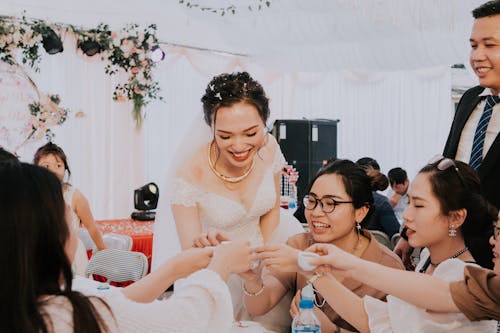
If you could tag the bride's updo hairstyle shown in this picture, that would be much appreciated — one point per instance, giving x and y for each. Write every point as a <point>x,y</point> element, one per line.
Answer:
<point>227,89</point>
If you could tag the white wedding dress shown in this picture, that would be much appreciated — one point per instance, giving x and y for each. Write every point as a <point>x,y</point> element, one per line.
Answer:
<point>242,223</point>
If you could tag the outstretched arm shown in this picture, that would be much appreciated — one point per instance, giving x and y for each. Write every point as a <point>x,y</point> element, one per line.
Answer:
<point>423,290</point>
<point>346,303</point>
<point>226,259</point>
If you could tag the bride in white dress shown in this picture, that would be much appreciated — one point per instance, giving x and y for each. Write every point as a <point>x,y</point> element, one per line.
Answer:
<point>230,183</point>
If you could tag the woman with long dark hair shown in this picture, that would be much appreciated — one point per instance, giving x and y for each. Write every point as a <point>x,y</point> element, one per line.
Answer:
<point>447,216</point>
<point>39,246</point>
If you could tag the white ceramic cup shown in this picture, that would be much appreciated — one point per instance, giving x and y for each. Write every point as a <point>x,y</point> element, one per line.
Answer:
<point>304,258</point>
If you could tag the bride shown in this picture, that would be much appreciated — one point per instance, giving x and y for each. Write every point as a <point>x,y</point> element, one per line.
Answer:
<point>229,183</point>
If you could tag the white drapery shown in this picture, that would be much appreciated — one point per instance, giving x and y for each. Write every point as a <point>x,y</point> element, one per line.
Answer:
<point>397,110</point>
<point>400,118</point>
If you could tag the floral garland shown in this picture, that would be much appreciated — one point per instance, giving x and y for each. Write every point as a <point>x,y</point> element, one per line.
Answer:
<point>45,114</point>
<point>128,51</point>
<point>258,5</point>
<point>19,34</point>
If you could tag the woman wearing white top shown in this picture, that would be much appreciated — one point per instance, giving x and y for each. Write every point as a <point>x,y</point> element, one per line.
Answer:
<point>447,215</point>
<point>40,246</point>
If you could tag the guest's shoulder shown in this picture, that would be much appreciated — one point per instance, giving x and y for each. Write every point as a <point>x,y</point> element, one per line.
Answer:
<point>381,254</point>
<point>300,241</point>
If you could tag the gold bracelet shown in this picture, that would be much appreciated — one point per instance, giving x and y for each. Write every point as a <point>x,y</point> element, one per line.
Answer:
<point>257,293</point>
<point>314,278</point>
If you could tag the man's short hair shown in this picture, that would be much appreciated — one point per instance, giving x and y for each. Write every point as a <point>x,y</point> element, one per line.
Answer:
<point>489,8</point>
<point>397,176</point>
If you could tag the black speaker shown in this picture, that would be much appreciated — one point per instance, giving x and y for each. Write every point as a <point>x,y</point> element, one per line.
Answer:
<point>307,145</point>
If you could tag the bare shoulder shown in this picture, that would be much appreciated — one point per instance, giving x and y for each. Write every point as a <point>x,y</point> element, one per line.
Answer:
<point>195,166</point>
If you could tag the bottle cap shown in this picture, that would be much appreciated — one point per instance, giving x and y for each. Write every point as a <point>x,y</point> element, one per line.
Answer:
<point>306,304</point>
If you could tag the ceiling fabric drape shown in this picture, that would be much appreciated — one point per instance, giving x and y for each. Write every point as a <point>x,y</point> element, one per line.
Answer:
<point>382,67</point>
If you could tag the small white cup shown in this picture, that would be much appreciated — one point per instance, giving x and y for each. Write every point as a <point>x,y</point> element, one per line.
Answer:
<point>304,259</point>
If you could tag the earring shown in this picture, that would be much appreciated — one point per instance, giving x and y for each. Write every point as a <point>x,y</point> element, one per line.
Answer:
<point>358,227</point>
<point>452,232</point>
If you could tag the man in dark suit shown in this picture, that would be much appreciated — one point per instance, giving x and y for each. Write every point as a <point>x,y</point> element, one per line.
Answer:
<point>465,137</point>
<point>474,135</point>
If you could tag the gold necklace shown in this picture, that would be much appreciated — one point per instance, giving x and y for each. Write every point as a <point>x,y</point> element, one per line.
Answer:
<point>221,176</point>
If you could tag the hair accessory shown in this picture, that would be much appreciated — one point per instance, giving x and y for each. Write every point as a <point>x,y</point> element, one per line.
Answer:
<point>452,231</point>
<point>225,178</point>
<point>257,293</point>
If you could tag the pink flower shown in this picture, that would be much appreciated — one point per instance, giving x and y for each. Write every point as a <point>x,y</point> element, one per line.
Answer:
<point>120,98</point>
<point>137,91</point>
<point>134,70</point>
<point>144,63</point>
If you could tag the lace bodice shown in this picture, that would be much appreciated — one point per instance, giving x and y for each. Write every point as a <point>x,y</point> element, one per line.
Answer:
<point>224,213</point>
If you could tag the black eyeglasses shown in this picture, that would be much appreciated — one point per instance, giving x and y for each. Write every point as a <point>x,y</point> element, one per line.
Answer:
<point>443,163</point>
<point>328,204</point>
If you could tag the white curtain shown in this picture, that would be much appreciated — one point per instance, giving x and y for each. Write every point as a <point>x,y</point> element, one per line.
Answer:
<point>399,118</point>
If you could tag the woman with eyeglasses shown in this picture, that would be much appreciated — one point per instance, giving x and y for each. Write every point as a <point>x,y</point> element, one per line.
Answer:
<point>477,295</point>
<point>339,199</point>
<point>448,216</point>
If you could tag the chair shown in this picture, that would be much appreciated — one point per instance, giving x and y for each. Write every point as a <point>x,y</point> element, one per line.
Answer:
<point>118,265</point>
<point>117,241</point>
<point>382,238</point>
<point>87,241</point>
<point>395,239</point>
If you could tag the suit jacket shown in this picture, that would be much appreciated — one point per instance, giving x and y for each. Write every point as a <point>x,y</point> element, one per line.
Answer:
<point>489,170</point>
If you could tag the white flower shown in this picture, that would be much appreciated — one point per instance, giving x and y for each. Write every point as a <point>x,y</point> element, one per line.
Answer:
<point>218,96</point>
<point>16,36</point>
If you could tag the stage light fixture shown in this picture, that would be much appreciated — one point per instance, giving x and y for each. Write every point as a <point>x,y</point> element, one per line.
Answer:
<point>145,200</point>
<point>90,47</point>
<point>51,41</point>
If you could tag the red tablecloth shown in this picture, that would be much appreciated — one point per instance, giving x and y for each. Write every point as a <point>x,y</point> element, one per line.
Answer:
<point>140,231</point>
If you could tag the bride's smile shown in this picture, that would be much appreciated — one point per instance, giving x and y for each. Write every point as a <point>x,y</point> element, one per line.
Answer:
<point>239,134</point>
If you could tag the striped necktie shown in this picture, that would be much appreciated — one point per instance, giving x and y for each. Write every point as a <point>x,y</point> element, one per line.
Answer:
<point>476,156</point>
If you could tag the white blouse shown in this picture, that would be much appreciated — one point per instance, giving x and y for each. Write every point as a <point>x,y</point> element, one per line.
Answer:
<point>202,303</point>
<point>399,316</point>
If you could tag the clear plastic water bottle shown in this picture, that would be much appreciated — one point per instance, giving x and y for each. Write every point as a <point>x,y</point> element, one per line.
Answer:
<point>305,320</point>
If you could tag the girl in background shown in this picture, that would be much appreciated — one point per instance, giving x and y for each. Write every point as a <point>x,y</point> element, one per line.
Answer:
<point>38,296</point>
<point>52,157</point>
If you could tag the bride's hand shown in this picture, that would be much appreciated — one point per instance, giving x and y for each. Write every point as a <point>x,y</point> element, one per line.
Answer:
<point>212,237</point>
